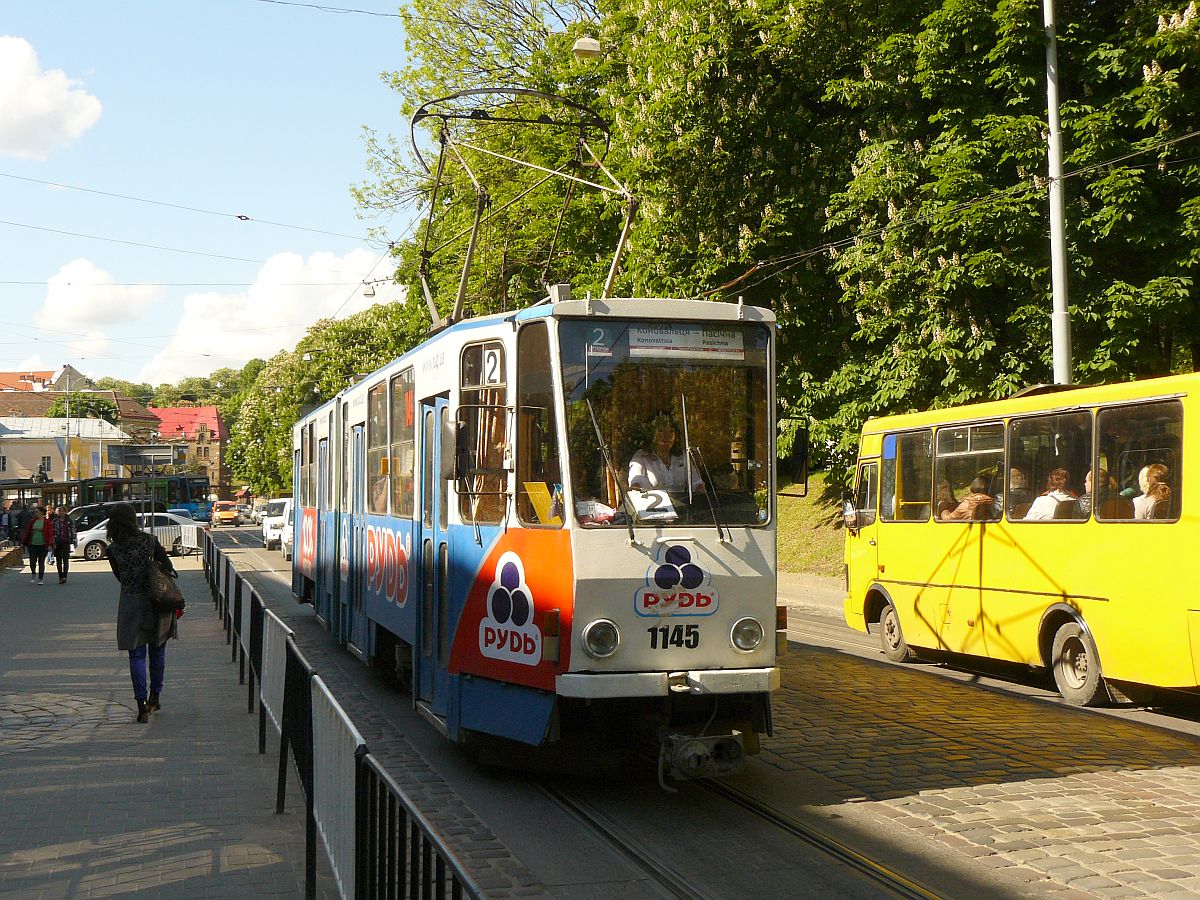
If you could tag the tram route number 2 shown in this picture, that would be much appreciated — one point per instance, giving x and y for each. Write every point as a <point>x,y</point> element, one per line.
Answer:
<point>665,636</point>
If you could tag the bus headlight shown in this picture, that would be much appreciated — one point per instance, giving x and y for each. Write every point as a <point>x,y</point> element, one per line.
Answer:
<point>746,634</point>
<point>600,638</point>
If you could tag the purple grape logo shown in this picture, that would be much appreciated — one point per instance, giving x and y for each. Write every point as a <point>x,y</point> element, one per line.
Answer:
<point>508,632</point>
<point>676,585</point>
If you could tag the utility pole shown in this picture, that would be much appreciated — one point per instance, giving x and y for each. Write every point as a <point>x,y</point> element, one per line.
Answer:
<point>1060,322</point>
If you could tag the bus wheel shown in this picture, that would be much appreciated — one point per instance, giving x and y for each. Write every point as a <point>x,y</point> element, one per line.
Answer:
<point>1077,666</point>
<point>895,647</point>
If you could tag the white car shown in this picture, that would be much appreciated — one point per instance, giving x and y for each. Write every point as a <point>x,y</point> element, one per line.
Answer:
<point>167,527</point>
<point>285,539</point>
<point>278,512</point>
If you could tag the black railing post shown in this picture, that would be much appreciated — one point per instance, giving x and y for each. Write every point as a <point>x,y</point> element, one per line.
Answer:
<point>235,626</point>
<point>256,639</point>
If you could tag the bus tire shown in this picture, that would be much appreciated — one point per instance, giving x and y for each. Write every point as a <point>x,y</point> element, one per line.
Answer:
<point>895,647</point>
<point>1076,665</point>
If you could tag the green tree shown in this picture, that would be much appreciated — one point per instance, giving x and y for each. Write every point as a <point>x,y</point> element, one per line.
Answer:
<point>139,391</point>
<point>83,406</point>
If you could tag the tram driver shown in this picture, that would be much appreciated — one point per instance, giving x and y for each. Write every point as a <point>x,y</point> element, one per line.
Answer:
<point>657,464</point>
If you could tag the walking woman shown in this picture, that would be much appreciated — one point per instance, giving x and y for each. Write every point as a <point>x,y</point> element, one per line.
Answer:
<point>38,537</point>
<point>140,630</point>
<point>64,543</point>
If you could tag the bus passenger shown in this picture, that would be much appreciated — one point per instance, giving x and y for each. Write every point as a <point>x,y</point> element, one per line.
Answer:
<point>978,504</point>
<point>1047,505</point>
<point>1152,480</point>
<point>1018,488</point>
<point>656,465</point>
<point>1096,492</point>
<point>946,501</point>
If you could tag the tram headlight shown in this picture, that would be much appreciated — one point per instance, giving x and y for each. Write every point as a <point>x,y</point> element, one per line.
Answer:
<point>746,634</point>
<point>601,638</point>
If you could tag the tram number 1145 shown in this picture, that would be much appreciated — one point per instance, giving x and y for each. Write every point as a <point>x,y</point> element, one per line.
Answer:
<point>664,636</point>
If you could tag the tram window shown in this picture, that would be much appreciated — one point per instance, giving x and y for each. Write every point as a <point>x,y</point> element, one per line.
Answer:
<point>906,483</point>
<point>483,429</point>
<point>539,479</point>
<point>400,471</point>
<point>1139,448</point>
<point>968,462</point>
<point>377,448</point>
<point>302,471</point>
<point>310,472</point>
<point>1048,462</point>
<point>344,457</point>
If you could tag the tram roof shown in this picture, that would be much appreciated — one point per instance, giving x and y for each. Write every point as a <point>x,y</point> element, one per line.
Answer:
<point>1043,401</point>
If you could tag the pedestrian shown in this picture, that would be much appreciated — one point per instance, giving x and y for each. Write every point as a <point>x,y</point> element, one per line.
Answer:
<point>51,515</point>
<point>38,536</point>
<point>5,524</point>
<point>64,543</point>
<point>141,630</point>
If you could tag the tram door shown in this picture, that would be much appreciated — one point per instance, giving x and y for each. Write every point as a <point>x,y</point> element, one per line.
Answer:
<point>433,628</point>
<point>356,631</point>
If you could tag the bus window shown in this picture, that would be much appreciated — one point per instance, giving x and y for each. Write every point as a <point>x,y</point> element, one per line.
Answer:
<point>377,448</point>
<point>1050,456</point>
<point>906,483</point>
<point>865,494</point>
<point>403,438</point>
<point>539,481</point>
<point>1138,456</point>
<point>969,463</point>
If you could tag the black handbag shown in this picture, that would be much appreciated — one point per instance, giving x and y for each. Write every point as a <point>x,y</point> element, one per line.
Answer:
<point>165,595</point>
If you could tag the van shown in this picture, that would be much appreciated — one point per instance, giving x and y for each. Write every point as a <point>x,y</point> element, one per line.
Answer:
<point>278,511</point>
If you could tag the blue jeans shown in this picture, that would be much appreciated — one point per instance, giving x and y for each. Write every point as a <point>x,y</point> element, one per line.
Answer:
<point>137,669</point>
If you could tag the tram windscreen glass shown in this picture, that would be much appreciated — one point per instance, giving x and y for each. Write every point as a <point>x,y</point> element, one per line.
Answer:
<point>681,411</point>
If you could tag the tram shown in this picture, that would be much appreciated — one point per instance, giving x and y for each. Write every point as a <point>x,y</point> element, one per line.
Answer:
<point>467,516</point>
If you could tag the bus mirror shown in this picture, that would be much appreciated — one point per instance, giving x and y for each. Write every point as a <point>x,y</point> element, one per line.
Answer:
<point>793,467</point>
<point>850,515</point>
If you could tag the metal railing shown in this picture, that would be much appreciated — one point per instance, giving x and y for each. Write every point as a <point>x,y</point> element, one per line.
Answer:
<point>377,842</point>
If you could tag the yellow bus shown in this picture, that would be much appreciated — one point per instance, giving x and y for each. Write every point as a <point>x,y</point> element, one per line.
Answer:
<point>1051,529</point>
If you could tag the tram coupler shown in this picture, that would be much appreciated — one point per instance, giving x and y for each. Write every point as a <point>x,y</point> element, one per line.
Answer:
<point>686,756</point>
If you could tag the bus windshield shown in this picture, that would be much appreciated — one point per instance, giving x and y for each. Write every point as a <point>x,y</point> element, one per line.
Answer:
<point>667,423</point>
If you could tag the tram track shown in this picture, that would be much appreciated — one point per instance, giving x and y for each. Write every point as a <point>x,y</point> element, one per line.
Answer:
<point>886,878</point>
<point>672,881</point>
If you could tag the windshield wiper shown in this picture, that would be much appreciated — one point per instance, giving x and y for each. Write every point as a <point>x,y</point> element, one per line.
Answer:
<point>693,453</point>
<point>626,506</point>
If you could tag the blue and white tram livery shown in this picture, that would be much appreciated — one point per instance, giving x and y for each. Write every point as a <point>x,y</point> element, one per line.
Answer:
<point>465,514</point>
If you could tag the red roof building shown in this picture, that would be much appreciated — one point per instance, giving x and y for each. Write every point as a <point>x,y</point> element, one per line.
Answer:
<point>204,433</point>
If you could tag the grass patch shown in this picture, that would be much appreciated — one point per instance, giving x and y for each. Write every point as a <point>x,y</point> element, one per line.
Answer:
<point>812,537</point>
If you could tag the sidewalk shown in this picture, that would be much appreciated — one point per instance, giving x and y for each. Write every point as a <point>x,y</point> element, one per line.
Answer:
<point>93,804</point>
<point>817,594</point>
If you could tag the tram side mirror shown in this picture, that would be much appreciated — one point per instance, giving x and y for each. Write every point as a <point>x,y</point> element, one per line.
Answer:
<point>448,450</point>
<point>793,465</point>
<point>850,516</point>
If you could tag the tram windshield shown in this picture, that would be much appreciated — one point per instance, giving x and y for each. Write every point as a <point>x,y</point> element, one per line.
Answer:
<point>667,423</point>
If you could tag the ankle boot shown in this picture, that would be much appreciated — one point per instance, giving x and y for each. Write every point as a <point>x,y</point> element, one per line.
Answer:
<point>143,711</point>
<point>152,702</point>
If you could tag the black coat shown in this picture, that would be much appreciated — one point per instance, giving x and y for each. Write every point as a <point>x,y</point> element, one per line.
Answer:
<point>137,622</point>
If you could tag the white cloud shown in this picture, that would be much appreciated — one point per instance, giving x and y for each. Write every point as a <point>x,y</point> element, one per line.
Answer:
<point>289,295</point>
<point>83,297</point>
<point>40,111</point>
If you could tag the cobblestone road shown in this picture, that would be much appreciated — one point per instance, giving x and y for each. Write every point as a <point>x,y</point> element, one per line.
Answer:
<point>1051,796</point>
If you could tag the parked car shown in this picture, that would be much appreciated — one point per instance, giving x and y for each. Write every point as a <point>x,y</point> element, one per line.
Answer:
<point>89,516</point>
<point>278,512</point>
<point>285,538</point>
<point>168,528</point>
<point>225,512</point>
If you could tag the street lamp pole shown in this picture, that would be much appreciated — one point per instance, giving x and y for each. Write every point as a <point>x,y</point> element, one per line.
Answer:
<point>1060,322</point>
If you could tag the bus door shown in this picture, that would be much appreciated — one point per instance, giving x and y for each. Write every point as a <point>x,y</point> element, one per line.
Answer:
<point>355,627</point>
<point>432,613</point>
<point>862,552</point>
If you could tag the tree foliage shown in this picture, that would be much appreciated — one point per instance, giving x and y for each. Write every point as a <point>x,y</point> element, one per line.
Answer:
<point>876,174</point>
<point>83,406</point>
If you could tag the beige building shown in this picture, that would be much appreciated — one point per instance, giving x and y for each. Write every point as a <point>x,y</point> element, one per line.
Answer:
<point>63,449</point>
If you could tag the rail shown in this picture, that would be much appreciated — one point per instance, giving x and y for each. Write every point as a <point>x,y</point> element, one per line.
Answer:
<point>377,842</point>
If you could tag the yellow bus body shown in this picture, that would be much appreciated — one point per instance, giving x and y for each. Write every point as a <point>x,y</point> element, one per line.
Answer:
<point>999,589</point>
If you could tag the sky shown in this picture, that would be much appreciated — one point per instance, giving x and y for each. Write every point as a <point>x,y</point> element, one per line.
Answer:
<point>193,114</point>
